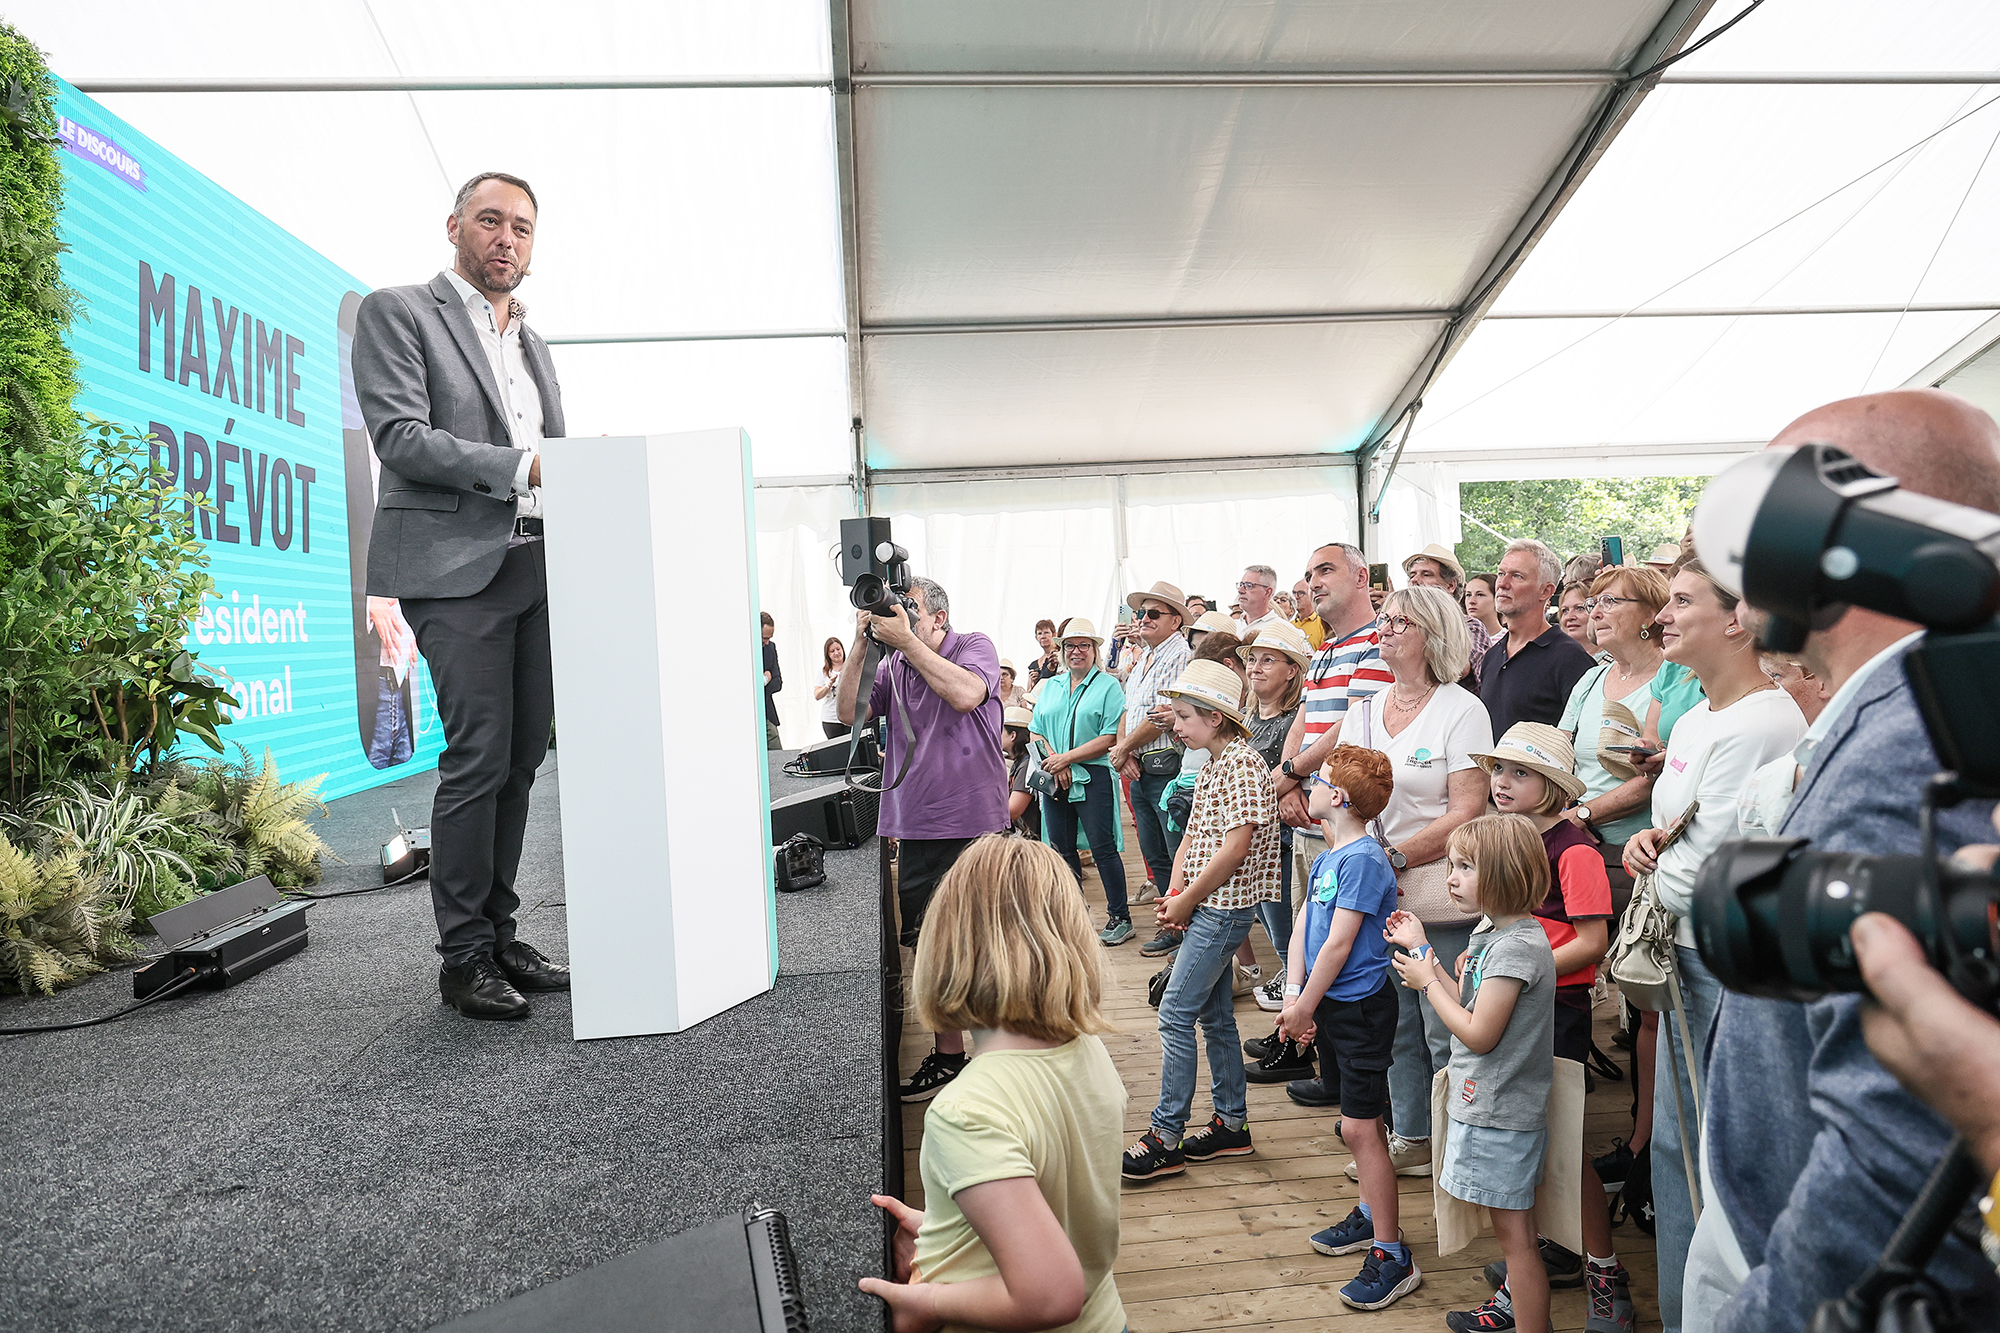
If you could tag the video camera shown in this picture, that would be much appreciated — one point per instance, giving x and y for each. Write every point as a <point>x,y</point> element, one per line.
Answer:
<point>875,569</point>
<point>1804,536</point>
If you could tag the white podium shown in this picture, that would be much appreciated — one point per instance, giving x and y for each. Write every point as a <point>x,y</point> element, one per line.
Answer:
<point>652,556</point>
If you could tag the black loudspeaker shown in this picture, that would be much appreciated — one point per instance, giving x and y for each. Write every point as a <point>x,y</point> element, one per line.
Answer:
<point>836,814</point>
<point>732,1275</point>
<point>832,756</point>
<point>224,936</point>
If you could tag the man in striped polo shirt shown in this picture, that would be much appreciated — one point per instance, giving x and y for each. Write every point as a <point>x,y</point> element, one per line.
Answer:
<point>1346,669</point>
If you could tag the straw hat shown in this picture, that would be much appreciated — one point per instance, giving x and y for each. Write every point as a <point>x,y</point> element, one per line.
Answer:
<point>1078,627</point>
<point>1280,638</point>
<point>1211,621</point>
<point>1446,560</point>
<point>1620,726</point>
<point>1664,554</point>
<point>1161,592</point>
<point>1537,746</point>
<point>1210,685</point>
<point>1007,665</point>
<point>1018,717</point>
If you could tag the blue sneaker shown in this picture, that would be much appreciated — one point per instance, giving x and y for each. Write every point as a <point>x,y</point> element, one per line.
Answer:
<point>1381,1281</point>
<point>1116,932</point>
<point>1355,1232</point>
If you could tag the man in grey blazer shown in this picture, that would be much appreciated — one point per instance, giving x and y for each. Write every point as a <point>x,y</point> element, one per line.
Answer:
<point>1812,1151</point>
<point>458,393</point>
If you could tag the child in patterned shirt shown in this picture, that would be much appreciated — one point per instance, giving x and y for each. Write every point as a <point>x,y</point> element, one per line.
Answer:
<point>1226,865</point>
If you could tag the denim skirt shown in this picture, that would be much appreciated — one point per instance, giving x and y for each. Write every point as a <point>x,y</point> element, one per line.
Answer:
<point>1494,1168</point>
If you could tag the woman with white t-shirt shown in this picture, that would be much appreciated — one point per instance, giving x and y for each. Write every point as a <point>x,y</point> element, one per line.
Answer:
<point>833,656</point>
<point>1746,722</point>
<point>1430,727</point>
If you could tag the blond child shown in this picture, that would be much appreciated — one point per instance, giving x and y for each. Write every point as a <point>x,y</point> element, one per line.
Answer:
<point>1501,1013</point>
<point>1020,1152</point>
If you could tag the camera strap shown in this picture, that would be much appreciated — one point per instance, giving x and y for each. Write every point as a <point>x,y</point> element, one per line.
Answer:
<point>899,719</point>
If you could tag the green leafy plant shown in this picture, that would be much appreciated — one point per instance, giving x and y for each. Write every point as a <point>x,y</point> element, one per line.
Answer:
<point>121,839</point>
<point>58,922</point>
<point>1573,514</point>
<point>248,807</point>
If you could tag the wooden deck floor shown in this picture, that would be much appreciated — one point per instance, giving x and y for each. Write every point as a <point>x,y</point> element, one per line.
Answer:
<point>1224,1245</point>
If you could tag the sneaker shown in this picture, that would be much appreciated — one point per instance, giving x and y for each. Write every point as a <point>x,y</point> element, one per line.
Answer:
<point>1216,1139</point>
<point>1247,979</point>
<point>1310,1092</point>
<point>1163,943</point>
<point>1410,1157</point>
<point>1614,1166</point>
<point>1287,1062</point>
<point>1115,933</point>
<point>1610,1300</point>
<point>1259,1047</point>
<point>1150,1157</point>
<point>1496,1316</point>
<point>1382,1280</point>
<point>1565,1268</point>
<point>937,1070</point>
<point>1271,995</point>
<point>1354,1232</point>
<point>1148,893</point>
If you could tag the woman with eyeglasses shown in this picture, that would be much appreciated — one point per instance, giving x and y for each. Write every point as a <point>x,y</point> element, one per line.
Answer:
<point>1607,710</point>
<point>1430,727</point>
<point>1573,614</point>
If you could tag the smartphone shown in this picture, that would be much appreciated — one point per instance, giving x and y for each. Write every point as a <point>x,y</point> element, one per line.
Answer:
<point>1636,751</point>
<point>1378,576</point>
<point>1124,613</point>
<point>1613,551</point>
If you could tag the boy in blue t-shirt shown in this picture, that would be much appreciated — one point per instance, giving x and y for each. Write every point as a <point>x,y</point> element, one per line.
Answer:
<point>1346,1005</point>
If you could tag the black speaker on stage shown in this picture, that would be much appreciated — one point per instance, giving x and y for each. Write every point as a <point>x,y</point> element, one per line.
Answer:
<point>836,814</point>
<point>732,1275</point>
<point>832,756</point>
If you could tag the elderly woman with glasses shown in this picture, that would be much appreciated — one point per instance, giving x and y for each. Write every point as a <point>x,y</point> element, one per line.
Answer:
<point>1430,727</point>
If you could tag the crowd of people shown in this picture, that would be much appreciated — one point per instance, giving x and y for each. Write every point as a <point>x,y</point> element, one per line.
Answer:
<point>1439,801</point>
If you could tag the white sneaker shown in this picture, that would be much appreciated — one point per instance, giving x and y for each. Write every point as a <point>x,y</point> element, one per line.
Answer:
<point>1247,979</point>
<point>1410,1157</point>
<point>1271,996</point>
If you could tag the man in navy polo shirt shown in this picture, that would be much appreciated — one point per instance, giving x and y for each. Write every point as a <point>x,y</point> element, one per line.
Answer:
<point>1528,675</point>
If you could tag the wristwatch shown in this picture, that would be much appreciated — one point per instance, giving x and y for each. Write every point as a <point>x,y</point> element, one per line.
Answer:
<point>1396,858</point>
<point>1286,769</point>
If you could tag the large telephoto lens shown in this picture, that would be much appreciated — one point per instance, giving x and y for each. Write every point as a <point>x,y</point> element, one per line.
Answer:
<point>1771,918</point>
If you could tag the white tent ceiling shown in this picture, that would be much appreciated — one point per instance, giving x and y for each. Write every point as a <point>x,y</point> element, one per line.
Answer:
<point>1113,239</point>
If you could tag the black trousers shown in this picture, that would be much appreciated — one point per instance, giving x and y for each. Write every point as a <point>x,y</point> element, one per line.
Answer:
<point>489,659</point>
<point>921,864</point>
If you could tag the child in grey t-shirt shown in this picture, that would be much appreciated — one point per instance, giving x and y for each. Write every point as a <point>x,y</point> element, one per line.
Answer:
<point>1501,1013</point>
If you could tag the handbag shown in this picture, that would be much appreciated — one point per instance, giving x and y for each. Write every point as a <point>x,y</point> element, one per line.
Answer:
<point>1156,985</point>
<point>1160,763</point>
<point>1643,965</point>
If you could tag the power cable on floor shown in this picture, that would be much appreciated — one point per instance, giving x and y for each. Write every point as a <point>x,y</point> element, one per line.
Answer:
<point>422,871</point>
<point>174,987</point>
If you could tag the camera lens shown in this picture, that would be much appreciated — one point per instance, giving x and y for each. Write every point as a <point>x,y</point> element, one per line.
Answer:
<point>1771,918</point>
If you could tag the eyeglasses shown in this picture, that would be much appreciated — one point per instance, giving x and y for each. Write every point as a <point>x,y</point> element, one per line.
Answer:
<point>1398,625</point>
<point>1151,613</point>
<point>1608,602</point>
<point>1246,587</point>
<point>1080,646</point>
<point>1314,777</point>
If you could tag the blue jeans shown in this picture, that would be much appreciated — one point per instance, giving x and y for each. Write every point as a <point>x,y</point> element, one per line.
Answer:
<point>1701,993</point>
<point>392,743</point>
<point>1157,842</point>
<point>1277,917</point>
<point>1096,810</point>
<point>1200,992</point>
<point>1423,1042</point>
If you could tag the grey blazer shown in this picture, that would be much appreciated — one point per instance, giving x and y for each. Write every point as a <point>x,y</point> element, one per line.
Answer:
<point>443,515</point>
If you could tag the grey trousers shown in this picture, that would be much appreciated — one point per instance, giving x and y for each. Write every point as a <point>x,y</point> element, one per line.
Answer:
<point>489,660</point>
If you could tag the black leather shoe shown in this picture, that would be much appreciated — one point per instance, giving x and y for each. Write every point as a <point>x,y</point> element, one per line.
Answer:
<point>1310,1092</point>
<point>529,970</point>
<point>479,989</point>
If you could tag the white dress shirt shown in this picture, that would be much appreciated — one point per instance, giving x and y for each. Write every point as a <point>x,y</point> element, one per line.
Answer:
<point>518,393</point>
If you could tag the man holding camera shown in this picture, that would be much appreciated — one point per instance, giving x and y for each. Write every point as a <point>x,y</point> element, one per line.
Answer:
<point>946,787</point>
<point>1812,1152</point>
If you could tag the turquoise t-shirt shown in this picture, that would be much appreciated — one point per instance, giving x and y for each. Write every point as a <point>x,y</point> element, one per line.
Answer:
<point>1359,877</point>
<point>1585,717</point>
<point>1096,707</point>
<point>1677,690</point>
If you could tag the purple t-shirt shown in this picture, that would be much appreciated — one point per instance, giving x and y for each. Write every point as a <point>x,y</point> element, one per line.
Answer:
<point>959,787</point>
